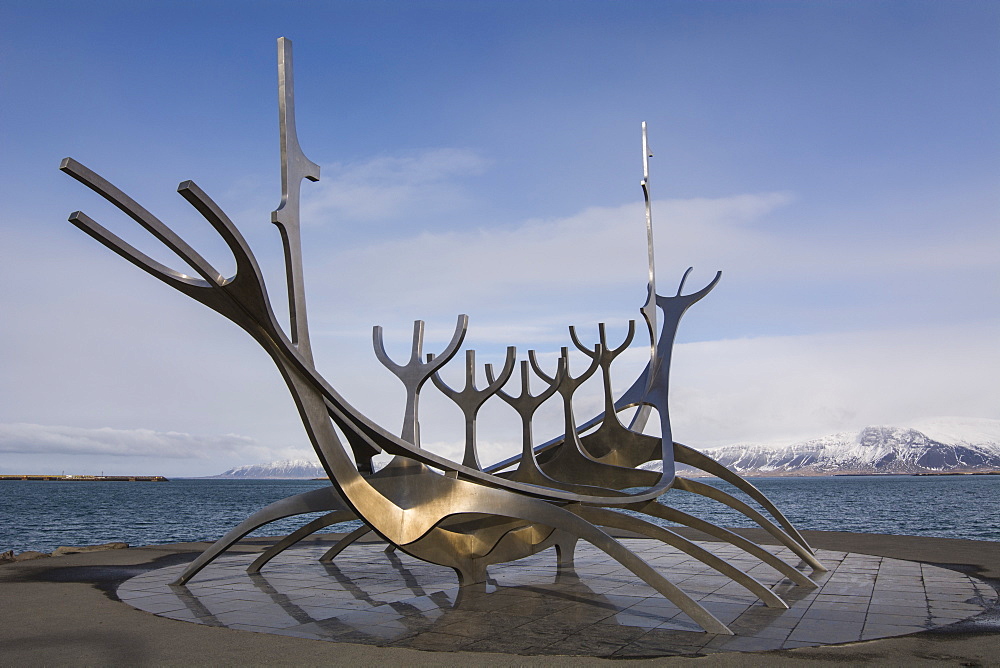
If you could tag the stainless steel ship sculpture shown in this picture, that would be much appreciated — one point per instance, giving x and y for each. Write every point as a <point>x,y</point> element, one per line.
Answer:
<point>465,516</point>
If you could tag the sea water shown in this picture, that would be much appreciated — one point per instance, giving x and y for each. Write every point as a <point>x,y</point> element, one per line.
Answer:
<point>44,515</point>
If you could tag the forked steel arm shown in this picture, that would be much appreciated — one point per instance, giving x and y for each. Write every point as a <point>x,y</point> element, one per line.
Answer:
<point>470,400</point>
<point>570,463</point>
<point>416,371</point>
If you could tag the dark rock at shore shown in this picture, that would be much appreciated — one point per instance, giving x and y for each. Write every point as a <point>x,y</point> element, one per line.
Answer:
<point>10,557</point>
<point>69,549</point>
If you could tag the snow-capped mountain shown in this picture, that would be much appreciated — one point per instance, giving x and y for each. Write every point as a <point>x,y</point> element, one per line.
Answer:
<point>942,445</point>
<point>286,469</point>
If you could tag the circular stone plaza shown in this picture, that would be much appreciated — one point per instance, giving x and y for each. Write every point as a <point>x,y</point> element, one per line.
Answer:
<point>885,599</point>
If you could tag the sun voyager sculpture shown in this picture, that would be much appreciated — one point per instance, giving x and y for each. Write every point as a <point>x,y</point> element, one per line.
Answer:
<point>465,515</point>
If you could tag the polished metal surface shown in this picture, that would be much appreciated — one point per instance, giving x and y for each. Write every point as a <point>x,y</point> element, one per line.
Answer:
<point>465,516</point>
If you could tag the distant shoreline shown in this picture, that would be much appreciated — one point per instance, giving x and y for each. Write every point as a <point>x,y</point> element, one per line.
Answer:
<point>87,478</point>
<point>952,473</point>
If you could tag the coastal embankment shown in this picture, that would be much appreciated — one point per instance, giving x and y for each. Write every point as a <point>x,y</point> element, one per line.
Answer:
<point>88,478</point>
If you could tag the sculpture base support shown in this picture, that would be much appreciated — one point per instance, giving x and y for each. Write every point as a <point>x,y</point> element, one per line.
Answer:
<point>600,607</point>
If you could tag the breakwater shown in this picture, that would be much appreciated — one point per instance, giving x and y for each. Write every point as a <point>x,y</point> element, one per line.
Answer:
<point>88,478</point>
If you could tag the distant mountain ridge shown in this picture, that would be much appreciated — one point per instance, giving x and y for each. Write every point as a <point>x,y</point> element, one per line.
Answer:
<point>281,470</point>
<point>943,445</point>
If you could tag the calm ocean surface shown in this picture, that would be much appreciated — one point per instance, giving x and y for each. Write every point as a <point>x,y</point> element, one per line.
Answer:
<point>44,515</point>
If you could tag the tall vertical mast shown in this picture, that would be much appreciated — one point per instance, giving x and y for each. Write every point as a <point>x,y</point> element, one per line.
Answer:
<point>295,166</point>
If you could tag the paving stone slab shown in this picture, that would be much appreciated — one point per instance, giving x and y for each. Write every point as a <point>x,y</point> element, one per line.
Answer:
<point>534,607</point>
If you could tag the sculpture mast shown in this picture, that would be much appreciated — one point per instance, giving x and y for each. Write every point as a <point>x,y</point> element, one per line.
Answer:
<point>649,309</point>
<point>295,166</point>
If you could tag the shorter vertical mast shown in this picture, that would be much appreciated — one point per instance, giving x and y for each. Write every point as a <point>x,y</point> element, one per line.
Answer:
<point>649,309</point>
<point>295,166</point>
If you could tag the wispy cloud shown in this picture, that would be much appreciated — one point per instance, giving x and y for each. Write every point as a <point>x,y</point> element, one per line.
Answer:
<point>39,439</point>
<point>559,259</point>
<point>788,387</point>
<point>390,186</point>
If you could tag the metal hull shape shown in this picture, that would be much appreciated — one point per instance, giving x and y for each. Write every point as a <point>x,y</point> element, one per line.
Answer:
<point>464,515</point>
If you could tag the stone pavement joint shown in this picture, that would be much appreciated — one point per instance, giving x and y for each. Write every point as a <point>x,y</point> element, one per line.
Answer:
<point>532,607</point>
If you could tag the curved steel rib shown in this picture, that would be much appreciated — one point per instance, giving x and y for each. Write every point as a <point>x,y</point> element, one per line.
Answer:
<point>656,509</point>
<point>344,543</point>
<point>700,488</point>
<point>692,457</point>
<point>324,498</point>
<point>610,518</point>
<point>297,535</point>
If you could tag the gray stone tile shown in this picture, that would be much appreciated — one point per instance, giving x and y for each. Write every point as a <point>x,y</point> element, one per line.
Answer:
<point>479,626</point>
<point>794,644</point>
<point>833,614</point>
<point>822,631</point>
<point>647,621</point>
<point>886,630</point>
<point>753,630</point>
<point>845,607</point>
<point>432,641</point>
<point>744,643</point>
<point>531,607</point>
<point>898,620</point>
<point>588,644</point>
<point>885,609</point>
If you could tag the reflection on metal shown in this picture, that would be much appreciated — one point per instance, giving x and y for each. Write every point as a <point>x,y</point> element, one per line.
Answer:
<point>464,515</point>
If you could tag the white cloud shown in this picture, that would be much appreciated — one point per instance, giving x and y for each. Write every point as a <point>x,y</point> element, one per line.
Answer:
<point>35,439</point>
<point>785,388</point>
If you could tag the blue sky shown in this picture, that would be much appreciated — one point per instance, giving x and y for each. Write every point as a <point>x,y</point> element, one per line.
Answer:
<point>839,161</point>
